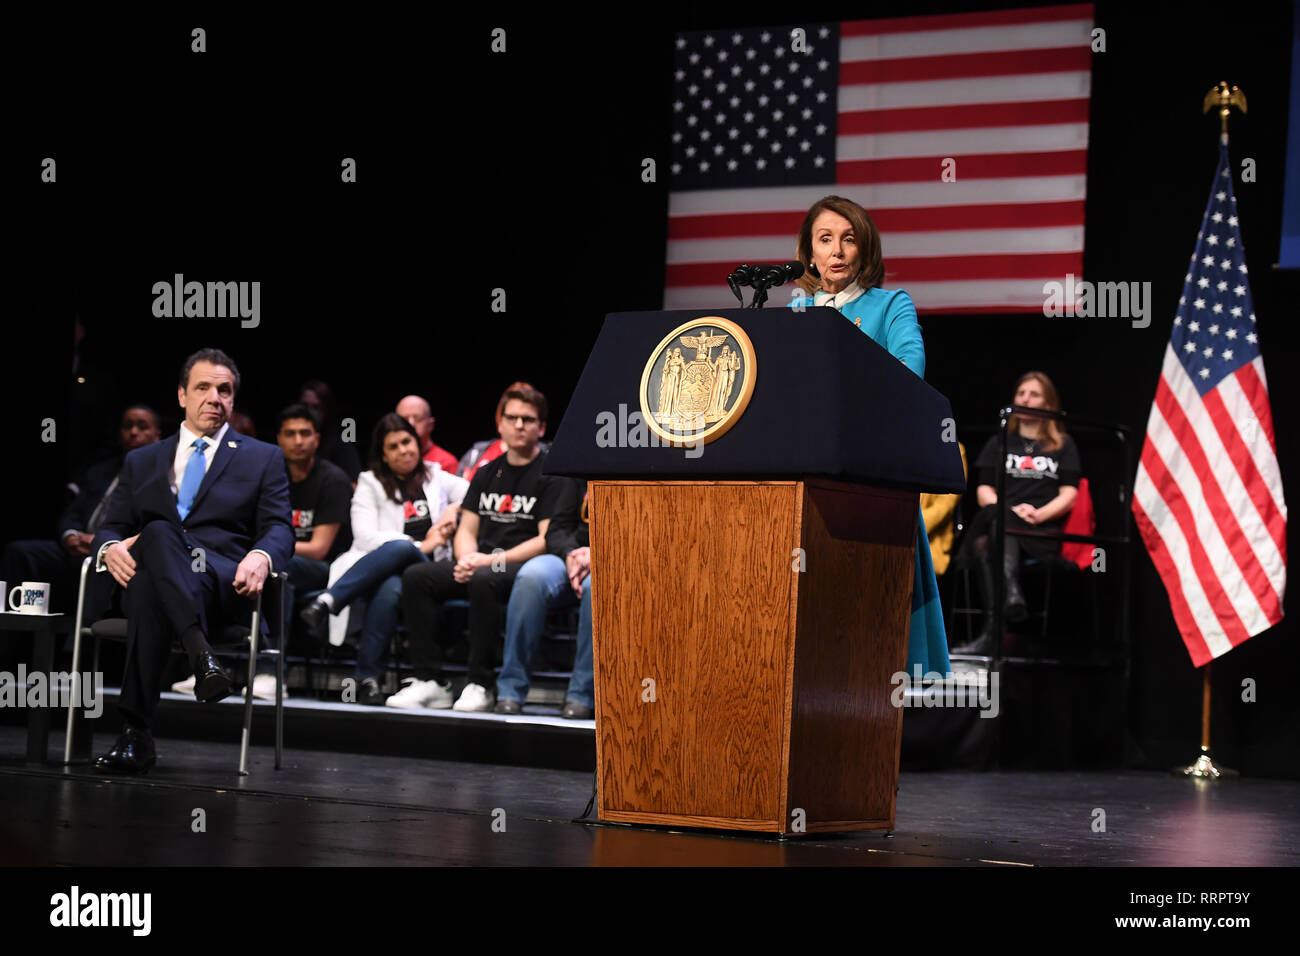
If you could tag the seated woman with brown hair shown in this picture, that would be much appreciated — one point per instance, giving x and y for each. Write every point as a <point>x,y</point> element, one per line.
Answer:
<point>1042,480</point>
<point>404,511</point>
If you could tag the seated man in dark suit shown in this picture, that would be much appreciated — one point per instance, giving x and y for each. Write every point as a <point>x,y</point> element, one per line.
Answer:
<point>197,523</point>
<point>59,560</point>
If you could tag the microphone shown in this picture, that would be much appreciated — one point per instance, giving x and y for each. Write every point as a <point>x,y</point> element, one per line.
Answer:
<point>739,277</point>
<point>761,277</point>
<point>774,275</point>
<point>766,274</point>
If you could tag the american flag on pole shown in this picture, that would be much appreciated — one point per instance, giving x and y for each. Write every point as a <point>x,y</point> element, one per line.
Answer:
<point>878,111</point>
<point>1208,496</point>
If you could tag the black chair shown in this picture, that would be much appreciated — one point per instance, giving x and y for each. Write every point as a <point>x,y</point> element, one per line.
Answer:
<point>1057,567</point>
<point>1109,451</point>
<point>232,637</point>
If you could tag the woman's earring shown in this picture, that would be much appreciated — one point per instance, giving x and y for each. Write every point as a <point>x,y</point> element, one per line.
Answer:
<point>812,271</point>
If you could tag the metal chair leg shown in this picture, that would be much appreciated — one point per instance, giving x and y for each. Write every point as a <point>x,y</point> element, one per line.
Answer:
<point>76,660</point>
<point>279,681</point>
<point>1047,597</point>
<point>253,634</point>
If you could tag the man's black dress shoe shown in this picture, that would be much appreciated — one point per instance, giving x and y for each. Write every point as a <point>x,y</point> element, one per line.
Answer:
<point>211,682</point>
<point>314,617</point>
<point>133,753</point>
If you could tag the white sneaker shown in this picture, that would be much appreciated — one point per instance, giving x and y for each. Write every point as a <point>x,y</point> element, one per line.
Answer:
<point>263,687</point>
<point>421,693</point>
<point>185,686</point>
<point>475,698</point>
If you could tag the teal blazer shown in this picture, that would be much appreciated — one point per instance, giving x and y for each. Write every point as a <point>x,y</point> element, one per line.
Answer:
<point>889,318</point>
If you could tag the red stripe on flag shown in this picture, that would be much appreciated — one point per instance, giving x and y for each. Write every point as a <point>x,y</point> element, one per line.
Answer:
<point>954,66</point>
<point>735,225</point>
<point>1257,392</point>
<point>994,216</point>
<point>864,28</point>
<point>1168,571</point>
<point>1179,508</point>
<point>911,169</point>
<point>1028,266</point>
<point>905,219</point>
<point>1256,486</point>
<point>919,269</point>
<point>967,116</point>
<point>1224,517</point>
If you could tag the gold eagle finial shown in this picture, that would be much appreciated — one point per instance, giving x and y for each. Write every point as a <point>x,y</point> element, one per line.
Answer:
<point>1224,97</point>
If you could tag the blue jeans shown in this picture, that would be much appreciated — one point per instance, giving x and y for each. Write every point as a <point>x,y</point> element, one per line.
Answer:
<point>377,576</point>
<point>542,585</point>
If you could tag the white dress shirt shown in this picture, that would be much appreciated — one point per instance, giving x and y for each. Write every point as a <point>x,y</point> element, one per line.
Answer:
<point>185,448</point>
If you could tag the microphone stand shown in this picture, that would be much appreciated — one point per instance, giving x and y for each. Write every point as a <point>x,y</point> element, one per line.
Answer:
<point>760,293</point>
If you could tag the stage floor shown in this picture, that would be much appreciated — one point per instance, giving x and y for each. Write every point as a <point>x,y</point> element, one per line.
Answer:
<point>336,809</point>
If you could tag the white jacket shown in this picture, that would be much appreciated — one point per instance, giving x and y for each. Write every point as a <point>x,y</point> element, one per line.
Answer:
<point>378,519</point>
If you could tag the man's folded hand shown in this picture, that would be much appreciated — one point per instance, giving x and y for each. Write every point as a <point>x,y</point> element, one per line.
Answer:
<point>251,574</point>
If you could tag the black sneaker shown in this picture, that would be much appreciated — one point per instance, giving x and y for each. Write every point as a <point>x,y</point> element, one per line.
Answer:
<point>370,694</point>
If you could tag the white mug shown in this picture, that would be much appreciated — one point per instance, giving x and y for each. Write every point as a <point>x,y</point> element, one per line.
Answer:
<point>32,597</point>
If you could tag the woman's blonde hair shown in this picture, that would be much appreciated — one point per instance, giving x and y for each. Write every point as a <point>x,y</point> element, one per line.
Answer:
<point>1053,430</point>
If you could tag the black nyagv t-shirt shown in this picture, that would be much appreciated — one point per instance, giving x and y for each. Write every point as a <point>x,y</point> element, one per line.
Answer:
<point>1034,475</point>
<point>510,500</point>
<point>323,497</point>
<point>415,510</point>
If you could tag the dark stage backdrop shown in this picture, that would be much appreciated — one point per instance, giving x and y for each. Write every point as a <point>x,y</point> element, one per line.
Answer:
<point>521,171</point>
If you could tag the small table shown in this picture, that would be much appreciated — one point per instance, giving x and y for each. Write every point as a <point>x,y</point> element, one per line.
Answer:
<point>45,629</point>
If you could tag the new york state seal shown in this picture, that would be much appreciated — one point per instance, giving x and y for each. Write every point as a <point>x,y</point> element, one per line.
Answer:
<point>698,381</point>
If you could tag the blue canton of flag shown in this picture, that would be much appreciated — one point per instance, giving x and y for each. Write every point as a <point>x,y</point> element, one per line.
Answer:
<point>1214,329</point>
<point>748,110</point>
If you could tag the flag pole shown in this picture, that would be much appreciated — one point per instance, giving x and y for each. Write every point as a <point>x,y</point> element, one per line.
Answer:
<point>1204,768</point>
<point>1224,97</point>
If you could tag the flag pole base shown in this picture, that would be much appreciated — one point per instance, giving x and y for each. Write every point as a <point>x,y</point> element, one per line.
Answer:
<point>1204,769</point>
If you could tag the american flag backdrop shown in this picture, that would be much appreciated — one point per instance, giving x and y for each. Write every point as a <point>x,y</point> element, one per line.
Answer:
<point>761,132</point>
<point>1208,496</point>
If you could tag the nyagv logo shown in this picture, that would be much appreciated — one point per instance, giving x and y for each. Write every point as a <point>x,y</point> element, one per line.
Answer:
<point>506,504</point>
<point>415,509</point>
<point>1030,466</point>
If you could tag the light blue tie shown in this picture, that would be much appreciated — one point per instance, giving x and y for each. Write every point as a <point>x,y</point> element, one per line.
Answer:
<point>192,478</point>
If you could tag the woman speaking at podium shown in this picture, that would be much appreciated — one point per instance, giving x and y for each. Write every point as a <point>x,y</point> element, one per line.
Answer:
<point>840,250</point>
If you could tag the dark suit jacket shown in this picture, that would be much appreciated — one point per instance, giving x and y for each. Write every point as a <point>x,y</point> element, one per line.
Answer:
<point>242,504</point>
<point>94,483</point>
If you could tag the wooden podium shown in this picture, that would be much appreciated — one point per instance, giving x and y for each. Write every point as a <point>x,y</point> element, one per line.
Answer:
<point>746,629</point>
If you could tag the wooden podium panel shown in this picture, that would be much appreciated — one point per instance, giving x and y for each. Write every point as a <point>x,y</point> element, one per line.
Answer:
<point>733,689</point>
